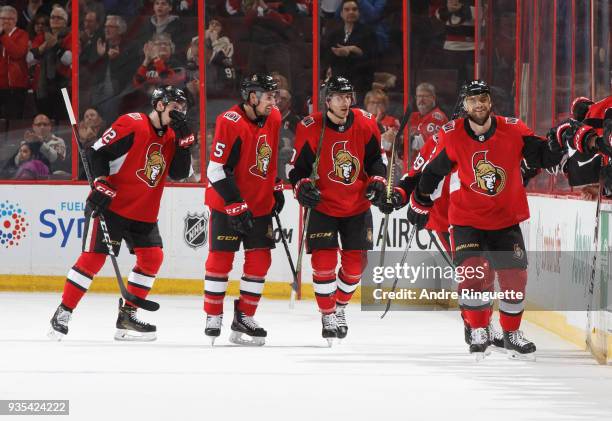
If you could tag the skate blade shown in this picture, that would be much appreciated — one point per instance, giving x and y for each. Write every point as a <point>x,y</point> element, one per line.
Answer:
<point>501,350</point>
<point>517,356</point>
<point>131,336</point>
<point>330,342</point>
<point>479,356</point>
<point>54,335</point>
<point>238,339</point>
<point>212,340</point>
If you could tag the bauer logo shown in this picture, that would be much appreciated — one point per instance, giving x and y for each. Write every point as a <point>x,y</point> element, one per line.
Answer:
<point>13,224</point>
<point>196,230</point>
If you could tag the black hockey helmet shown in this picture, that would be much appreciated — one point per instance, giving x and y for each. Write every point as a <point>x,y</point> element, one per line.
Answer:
<point>167,93</point>
<point>475,87</point>
<point>257,82</point>
<point>338,85</point>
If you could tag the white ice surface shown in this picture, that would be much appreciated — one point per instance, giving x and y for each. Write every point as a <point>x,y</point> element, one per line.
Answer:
<point>408,366</point>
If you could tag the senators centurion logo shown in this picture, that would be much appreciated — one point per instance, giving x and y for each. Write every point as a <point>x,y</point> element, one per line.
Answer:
<point>263,157</point>
<point>154,167</point>
<point>346,166</point>
<point>196,230</point>
<point>490,179</point>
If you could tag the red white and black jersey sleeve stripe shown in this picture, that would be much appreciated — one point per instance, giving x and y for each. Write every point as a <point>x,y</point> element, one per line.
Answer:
<point>221,176</point>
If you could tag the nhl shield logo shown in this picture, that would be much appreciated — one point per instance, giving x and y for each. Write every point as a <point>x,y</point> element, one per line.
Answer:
<point>196,230</point>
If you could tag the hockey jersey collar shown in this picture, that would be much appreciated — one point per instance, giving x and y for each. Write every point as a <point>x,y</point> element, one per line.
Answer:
<point>483,137</point>
<point>259,122</point>
<point>341,128</point>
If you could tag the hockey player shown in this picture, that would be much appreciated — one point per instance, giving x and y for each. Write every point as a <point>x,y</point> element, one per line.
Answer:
<point>243,195</point>
<point>350,176</point>
<point>486,206</point>
<point>587,136</point>
<point>130,163</point>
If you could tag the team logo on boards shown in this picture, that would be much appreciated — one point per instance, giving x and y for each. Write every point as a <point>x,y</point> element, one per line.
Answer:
<point>195,232</point>
<point>263,157</point>
<point>13,224</point>
<point>155,164</point>
<point>346,166</point>
<point>489,178</point>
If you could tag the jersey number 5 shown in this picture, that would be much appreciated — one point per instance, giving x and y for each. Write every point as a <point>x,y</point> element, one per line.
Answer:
<point>219,149</point>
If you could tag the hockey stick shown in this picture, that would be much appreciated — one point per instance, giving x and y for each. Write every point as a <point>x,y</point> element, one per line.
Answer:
<point>390,172</point>
<point>313,175</point>
<point>294,284</point>
<point>591,286</point>
<point>142,303</point>
<point>410,237</point>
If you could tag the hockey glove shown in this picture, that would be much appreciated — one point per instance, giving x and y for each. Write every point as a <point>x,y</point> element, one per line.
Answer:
<point>527,173</point>
<point>418,210</point>
<point>279,198</point>
<point>377,187</point>
<point>101,195</point>
<point>307,194</point>
<point>580,108</point>
<point>397,201</point>
<point>184,134</point>
<point>240,217</point>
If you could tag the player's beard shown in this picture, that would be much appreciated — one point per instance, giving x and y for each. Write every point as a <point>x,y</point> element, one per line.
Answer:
<point>479,120</point>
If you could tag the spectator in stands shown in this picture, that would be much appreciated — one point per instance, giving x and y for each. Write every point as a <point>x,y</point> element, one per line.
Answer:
<point>376,102</point>
<point>52,147</point>
<point>90,127</point>
<point>269,33</point>
<point>371,13</point>
<point>287,133</point>
<point>88,37</point>
<point>458,50</point>
<point>55,57</point>
<point>114,68</point>
<point>159,66</point>
<point>29,167</point>
<point>219,52</point>
<point>282,81</point>
<point>27,14</point>
<point>26,163</point>
<point>349,51</point>
<point>426,122</point>
<point>37,29</point>
<point>163,21</point>
<point>13,67</point>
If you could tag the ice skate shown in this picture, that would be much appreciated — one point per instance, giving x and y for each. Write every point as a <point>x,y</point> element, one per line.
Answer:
<point>479,343</point>
<point>496,338</point>
<point>518,347</point>
<point>245,325</point>
<point>330,328</point>
<point>341,321</point>
<point>129,328</point>
<point>467,333</point>
<point>213,327</point>
<point>59,323</point>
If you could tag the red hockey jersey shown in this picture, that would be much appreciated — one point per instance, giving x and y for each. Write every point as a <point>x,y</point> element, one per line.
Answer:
<point>247,154</point>
<point>137,160</point>
<point>487,191</point>
<point>427,125</point>
<point>350,154</point>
